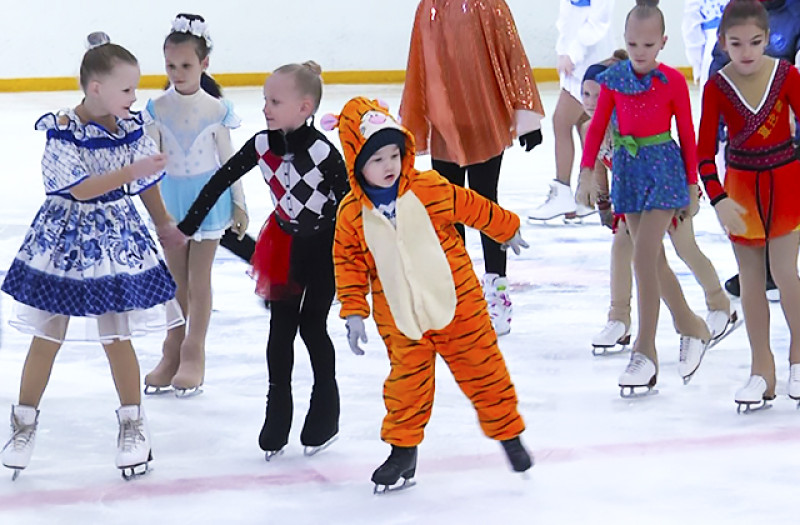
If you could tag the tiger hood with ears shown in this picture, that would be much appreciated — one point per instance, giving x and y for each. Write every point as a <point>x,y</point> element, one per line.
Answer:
<point>359,121</point>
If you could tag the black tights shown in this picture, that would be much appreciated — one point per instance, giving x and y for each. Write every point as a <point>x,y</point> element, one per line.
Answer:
<point>483,179</point>
<point>312,264</point>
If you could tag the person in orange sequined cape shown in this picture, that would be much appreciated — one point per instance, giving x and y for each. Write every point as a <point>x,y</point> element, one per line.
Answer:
<point>758,204</point>
<point>469,92</point>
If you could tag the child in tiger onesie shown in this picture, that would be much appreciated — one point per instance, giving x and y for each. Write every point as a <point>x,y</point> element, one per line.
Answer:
<point>396,236</point>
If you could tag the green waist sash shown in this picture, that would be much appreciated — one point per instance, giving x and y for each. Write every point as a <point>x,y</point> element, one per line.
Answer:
<point>632,144</point>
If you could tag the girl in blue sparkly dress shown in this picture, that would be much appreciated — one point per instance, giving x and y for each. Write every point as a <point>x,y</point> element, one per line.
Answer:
<point>88,268</point>
<point>651,180</point>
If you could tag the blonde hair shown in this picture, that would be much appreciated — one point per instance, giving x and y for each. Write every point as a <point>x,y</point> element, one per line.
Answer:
<point>307,79</point>
<point>645,9</point>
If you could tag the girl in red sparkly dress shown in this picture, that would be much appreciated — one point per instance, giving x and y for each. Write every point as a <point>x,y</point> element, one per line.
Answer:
<point>757,205</point>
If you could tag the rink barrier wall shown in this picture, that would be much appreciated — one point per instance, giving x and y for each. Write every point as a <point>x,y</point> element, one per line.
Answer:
<point>10,85</point>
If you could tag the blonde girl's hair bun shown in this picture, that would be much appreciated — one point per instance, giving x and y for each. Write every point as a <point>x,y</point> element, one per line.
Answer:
<point>313,67</point>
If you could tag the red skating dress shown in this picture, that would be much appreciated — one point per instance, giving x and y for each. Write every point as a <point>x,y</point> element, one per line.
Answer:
<point>763,173</point>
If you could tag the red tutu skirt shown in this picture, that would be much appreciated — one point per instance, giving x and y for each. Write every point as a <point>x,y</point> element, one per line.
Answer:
<point>271,263</point>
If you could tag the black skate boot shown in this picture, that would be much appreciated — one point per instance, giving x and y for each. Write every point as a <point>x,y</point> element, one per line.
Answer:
<point>322,421</point>
<point>402,462</point>
<point>517,455</point>
<point>278,421</point>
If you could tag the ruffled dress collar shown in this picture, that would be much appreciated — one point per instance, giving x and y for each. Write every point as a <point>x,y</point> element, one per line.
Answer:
<point>66,121</point>
<point>622,78</point>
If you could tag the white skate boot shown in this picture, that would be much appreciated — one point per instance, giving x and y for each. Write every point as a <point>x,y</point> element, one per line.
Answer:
<point>640,373</point>
<point>133,442</point>
<point>752,396</point>
<point>794,383</point>
<point>559,202</point>
<point>721,324</point>
<point>17,452</point>
<point>581,211</point>
<point>613,334</point>
<point>692,351</point>
<point>495,291</point>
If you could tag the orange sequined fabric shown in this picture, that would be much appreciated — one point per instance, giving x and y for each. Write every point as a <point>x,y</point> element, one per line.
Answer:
<point>467,75</point>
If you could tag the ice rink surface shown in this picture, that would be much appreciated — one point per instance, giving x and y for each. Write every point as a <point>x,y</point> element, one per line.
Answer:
<point>682,456</point>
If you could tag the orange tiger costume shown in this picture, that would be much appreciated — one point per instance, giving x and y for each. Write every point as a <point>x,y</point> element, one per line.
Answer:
<point>426,297</point>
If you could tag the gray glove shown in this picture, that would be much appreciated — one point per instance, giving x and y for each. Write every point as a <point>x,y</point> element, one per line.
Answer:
<point>355,332</point>
<point>516,243</point>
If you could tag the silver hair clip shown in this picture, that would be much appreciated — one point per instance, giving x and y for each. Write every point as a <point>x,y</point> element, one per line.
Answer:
<point>97,39</point>
<point>195,27</point>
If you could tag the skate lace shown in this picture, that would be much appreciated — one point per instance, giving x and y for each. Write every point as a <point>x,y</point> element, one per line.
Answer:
<point>550,196</point>
<point>21,435</point>
<point>130,433</point>
<point>684,349</point>
<point>607,330</point>
<point>636,364</point>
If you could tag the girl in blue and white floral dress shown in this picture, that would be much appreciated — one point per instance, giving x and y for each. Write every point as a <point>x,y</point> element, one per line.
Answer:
<point>88,268</point>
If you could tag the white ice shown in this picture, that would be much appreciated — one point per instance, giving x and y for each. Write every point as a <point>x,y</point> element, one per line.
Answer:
<point>682,456</point>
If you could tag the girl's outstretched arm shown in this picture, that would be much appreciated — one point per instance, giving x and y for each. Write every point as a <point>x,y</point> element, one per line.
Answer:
<point>242,162</point>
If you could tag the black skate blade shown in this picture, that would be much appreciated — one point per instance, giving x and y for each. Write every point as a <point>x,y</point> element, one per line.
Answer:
<point>269,454</point>
<point>16,473</point>
<point>313,450</point>
<point>381,490</point>
<point>136,471</point>
<point>746,407</point>
<point>150,390</point>
<point>635,392</point>
<point>183,393</point>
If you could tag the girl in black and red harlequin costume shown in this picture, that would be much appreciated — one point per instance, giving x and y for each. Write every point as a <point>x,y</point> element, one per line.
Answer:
<point>293,262</point>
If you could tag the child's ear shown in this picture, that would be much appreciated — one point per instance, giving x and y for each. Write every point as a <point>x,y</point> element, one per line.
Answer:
<point>93,87</point>
<point>307,106</point>
<point>204,63</point>
<point>664,43</point>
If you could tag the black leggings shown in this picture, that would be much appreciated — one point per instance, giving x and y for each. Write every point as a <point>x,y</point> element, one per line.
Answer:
<point>483,179</point>
<point>312,266</point>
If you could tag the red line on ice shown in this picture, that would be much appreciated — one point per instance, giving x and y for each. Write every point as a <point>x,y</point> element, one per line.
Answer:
<point>336,474</point>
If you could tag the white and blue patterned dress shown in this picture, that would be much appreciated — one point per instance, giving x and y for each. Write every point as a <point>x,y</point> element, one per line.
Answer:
<point>190,130</point>
<point>89,270</point>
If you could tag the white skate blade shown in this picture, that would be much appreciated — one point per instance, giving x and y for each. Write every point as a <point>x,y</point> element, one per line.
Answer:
<point>402,484</point>
<point>269,454</point>
<point>622,345</point>
<point>150,390</point>
<point>746,407</point>
<point>732,325</point>
<point>311,450</point>
<point>600,351</point>
<point>188,392</point>
<point>634,392</point>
